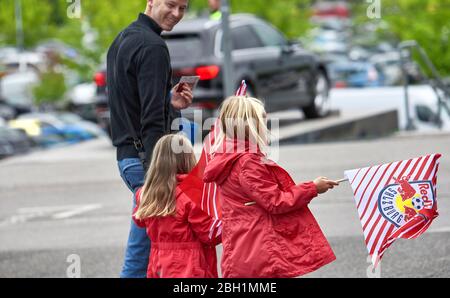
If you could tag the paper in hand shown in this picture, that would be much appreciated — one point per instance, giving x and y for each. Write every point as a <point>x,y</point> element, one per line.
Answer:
<point>189,80</point>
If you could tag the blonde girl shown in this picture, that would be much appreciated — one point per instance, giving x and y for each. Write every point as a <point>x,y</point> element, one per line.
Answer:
<point>268,230</point>
<point>178,229</point>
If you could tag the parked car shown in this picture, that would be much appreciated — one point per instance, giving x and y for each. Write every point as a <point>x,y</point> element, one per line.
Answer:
<point>43,134</point>
<point>389,63</point>
<point>6,149</point>
<point>282,73</point>
<point>50,129</point>
<point>16,90</point>
<point>75,120</point>
<point>14,141</point>
<point>25,61</point>
<point>101,100</point>
<point>6,52</point>
<point>6,111</point>
<point>355,74</point>
<point>331,9</point>
<point>82,101</point>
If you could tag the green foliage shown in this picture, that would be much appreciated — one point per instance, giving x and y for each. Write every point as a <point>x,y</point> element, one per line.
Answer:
<point>427,22</point>
<point>289,16</point>
<point>36,19</point>
<point>51,88</point>
<point>49,20</point>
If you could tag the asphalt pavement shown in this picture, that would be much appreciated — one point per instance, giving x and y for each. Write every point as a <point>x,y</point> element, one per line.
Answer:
<point>71,201</point>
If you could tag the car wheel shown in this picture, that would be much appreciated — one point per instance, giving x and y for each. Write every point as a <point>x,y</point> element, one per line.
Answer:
<point>320,105</point>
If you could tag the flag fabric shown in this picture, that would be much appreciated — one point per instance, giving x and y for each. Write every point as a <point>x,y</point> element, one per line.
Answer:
<point>242,90</point>
<point>203,194</point>
<point>395,200</point>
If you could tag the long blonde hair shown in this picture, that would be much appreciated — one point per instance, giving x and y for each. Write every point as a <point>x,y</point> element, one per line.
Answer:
<point>172,155</point>
<point>243,118</point>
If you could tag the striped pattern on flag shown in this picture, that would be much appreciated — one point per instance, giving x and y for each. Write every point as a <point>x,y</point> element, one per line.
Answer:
<point>242,90</point>
<point>203,194</point>
<point>367,184</point>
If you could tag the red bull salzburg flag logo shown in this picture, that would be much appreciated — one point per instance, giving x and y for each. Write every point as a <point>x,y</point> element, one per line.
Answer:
<point>395,200</point>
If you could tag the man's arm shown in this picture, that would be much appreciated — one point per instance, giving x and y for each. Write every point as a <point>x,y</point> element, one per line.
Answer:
<point>153,69</point>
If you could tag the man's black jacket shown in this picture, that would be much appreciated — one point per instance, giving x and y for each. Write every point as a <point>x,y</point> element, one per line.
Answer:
<point>142,82</point>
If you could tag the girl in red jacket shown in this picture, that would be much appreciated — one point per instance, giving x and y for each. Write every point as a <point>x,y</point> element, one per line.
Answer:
<point>179,230</point>
<point>268,230</point>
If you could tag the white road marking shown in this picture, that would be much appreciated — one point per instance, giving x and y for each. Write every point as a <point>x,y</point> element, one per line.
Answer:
<point>54,212</point>
<point>76,211</point>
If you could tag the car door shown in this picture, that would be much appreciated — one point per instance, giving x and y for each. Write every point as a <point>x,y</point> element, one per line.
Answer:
<point>294,71</point>
<point>254,61</point>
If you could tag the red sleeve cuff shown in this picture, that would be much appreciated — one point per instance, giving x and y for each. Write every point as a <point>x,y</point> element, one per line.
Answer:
<point>311,187</point>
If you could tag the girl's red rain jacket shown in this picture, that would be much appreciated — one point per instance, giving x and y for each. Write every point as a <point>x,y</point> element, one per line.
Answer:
<point>180,244</point>
<point>276,237</point>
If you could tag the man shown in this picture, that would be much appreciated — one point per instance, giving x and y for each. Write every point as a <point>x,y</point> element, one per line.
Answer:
<point>142,105</point>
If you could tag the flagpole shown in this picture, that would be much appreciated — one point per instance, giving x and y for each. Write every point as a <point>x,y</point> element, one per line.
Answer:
<point>342,180</point>
<point>19,25</point>
<point>227,57</point>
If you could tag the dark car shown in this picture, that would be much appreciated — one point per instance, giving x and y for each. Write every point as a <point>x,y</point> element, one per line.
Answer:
<point>101,100</point>
<point>280,72</point>
<point>14,141</point>
<point>6,149</point>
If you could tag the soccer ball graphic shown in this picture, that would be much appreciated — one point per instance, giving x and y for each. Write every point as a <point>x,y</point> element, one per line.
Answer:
<point>417,203</point>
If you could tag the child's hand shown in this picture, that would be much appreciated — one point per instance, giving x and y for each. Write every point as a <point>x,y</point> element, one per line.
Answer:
<point>323,184</point>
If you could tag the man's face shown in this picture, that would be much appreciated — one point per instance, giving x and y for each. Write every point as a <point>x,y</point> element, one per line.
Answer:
<point>167,13</point>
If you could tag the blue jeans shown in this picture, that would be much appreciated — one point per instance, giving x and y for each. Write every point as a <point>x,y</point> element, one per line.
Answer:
<point>138,246</point>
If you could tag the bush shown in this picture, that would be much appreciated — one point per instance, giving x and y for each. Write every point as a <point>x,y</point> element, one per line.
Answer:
<point>51,89</point>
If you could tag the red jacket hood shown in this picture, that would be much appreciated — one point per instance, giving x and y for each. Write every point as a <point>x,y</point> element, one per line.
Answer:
<point>219,167</point>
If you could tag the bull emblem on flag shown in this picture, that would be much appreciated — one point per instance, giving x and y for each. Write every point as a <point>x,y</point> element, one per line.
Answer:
<point>400,202</point>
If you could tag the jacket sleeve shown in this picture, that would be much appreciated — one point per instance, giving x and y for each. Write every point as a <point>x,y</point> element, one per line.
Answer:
<point>174,114</point>
<point>140,223</point>
<point>259,186</point>
<point>153,71</point>
<point>206,228</point>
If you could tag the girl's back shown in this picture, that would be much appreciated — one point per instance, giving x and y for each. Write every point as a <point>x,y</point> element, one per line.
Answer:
<point>180,243</point>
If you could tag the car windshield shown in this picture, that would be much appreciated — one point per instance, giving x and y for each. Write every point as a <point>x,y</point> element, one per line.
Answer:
<point>69,118</point>
<point>184,46</point>
<point>16,89</point>
<point>343,72</point>
<point>16,93</point>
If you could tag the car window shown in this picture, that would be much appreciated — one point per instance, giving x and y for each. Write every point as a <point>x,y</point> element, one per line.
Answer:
<point>268,35</point>
<point>183,46</point>
<point>243,37</point>
<point>46,125</point>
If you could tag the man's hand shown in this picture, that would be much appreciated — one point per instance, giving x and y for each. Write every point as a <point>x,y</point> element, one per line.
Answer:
<point>181,100</point>
<point>323,184</point>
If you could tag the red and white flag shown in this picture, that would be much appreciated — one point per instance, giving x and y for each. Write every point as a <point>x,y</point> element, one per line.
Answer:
<point>203,194</point>
<point>395,200</point>
<point>242,90</point>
